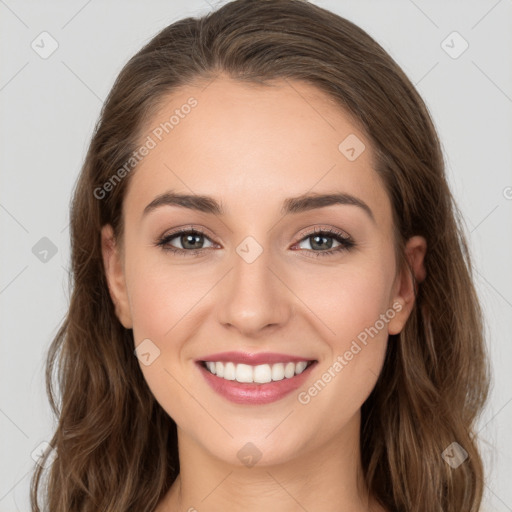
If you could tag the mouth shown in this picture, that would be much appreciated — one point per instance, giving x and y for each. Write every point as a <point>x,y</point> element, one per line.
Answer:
<point>254,378</point>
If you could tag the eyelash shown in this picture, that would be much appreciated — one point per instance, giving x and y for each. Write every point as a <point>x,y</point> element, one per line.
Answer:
<point>346,242</point>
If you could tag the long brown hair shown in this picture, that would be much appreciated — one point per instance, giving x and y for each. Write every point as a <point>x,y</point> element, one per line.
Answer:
<point>116,447</point>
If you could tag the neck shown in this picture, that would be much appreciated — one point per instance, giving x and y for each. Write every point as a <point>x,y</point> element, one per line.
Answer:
<point>327,478</point>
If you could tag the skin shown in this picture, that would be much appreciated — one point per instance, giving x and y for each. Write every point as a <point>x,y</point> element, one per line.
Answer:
<point>250,147</point>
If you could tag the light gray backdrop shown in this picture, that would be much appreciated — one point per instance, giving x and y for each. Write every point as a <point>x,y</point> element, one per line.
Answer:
<point>50,102</point>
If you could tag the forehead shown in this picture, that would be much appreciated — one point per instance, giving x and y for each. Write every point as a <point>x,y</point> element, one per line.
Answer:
<point>252,145</point>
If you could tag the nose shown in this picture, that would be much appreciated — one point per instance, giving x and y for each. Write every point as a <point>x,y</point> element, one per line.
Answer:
<point>253,297</point>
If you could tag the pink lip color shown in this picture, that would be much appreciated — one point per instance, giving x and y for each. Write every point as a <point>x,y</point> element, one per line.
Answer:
<point>254,359</point>
<point>252,393</point>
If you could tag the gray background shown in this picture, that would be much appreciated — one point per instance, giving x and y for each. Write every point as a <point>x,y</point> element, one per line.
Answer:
<point>49,107</point>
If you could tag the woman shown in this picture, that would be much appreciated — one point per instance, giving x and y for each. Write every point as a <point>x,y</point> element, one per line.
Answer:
<point>272,301</point>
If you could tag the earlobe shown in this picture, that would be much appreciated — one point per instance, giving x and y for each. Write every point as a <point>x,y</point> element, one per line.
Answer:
<point>406,285</point>
<point>114,274</point>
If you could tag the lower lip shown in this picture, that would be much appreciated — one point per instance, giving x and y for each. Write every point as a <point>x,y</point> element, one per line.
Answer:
<point>251,393</point>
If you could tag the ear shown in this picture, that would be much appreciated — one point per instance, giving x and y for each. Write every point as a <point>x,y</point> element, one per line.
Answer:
<point>115,276</point>
<point>405,284</point>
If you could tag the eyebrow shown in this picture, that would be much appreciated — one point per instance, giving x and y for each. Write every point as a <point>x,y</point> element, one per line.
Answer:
<point>305,202</point>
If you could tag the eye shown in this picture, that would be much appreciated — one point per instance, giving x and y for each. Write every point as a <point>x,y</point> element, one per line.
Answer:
<point>190,240</point>
<point>323,239</point>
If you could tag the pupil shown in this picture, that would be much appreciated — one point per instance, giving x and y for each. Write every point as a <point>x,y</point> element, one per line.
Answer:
<point>317,237</point>
<point>189,238</point>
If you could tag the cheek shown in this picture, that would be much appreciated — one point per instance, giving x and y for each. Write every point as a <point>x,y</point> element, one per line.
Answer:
<point>165,305</point>
<point>163,298</point>
<point>352,305</point>
<point>346,301</point>
<point>162,306</point>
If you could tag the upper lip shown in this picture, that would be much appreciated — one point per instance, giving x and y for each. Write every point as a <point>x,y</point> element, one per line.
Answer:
<point>252,358</point>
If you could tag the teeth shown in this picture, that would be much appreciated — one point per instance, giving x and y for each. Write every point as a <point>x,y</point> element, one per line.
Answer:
<point>262,373</point>
<point>244,373</point>
<point>289,370</point>
<point>229,370</point>
<point>259,374</point>
<point>278,371</point>
<point>300,367</point>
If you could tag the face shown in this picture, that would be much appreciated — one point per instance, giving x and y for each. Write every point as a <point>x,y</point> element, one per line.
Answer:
<point>268,282</point>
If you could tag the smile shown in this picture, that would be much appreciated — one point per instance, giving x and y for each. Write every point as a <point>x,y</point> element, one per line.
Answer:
<point>254,378</point>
